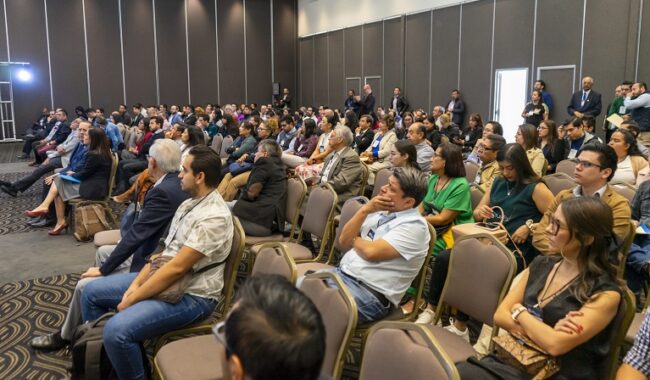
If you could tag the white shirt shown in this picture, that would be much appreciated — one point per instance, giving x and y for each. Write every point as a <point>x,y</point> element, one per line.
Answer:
<point>624,172</point>
<point>409,234</point>
<point>208,229</point>
<point>328,168</point>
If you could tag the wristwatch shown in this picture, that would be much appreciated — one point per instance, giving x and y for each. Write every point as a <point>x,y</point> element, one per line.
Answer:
<point>517,311</point>
<point>529,224</point>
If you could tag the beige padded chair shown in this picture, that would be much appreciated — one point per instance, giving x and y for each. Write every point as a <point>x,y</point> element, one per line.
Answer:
<point>339,313</point>
<point>404,350</point>
<point>625,249</point>
<point>272,258</point>
<point>557,182</point>
<point>196,358</point>
<point>624,189</point>
<point>317,221</point>
<point>622,321</point>
<point>476,193</point>
<point>638,320</point>
<point>225,144</point>
<point>381,179</point>
<point>217,141</point>
<point>491,268</point>
<point>567,167</point>
<point>350,207</point>
<point>228,291</point>
<point>471,169</point>
<point>365,173</point>
<point>296,194</point>
<point>109,237</point>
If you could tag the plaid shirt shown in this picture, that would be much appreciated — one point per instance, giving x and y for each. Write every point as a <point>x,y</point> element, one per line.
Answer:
<point>639,356</point>
<point>641,204</point>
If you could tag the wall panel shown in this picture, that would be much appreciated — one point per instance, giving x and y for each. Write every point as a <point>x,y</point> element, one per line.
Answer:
<point>172,53</point>
<point>644,48</point>
<point>285,44</point>
<point>139,53</point>
<point>393,56</point>
<point>513,33</point>
<point>258,50</point>
<point>69,80</point>
<point>417,65</point>
<point>306,50</point>
<point>104,54</point>
<point>337,91</point>
<point>321,67</point>
<point>372,56</point>
<point>201,36</point>
<point>230,21</point>
<point>353,63</point>
<point>444,54</point>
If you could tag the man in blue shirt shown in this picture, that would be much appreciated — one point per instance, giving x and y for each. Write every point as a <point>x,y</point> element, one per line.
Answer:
<point>112,131</point>
<point>540,85</point>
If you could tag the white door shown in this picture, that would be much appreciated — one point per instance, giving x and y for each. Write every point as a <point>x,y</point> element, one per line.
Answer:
<point>510,94</point>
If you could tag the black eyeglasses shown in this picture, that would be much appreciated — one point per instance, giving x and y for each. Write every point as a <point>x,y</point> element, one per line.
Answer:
<point>555,225</point>
<point>586,164</point>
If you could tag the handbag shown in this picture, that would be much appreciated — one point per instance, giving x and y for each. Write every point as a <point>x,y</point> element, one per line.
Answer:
<point>89,219</point>
<point>176,290</point>
<point>493,227</point>
<point>523,354</point>
<point>236,168</point>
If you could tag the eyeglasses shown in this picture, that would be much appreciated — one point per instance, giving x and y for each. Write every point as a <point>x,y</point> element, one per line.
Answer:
<point>219,331</point>
<point>555,225</point>
<point>586,164</point>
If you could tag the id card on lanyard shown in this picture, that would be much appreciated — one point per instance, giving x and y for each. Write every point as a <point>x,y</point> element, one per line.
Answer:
<point>174,229</point>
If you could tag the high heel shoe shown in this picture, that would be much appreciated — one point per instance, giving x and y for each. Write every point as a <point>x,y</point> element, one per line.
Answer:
<point>56,231</point>
<point>36,214</point>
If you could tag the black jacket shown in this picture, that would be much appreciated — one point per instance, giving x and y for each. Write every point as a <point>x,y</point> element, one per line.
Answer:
<point>402,104</point>
<point>157,210</point>
<point>146,146</point>
<point>94,176</point>
<point>592,107</point>
<point>62,133</point>
<point>190,119</point>
<point>363,141</point>
<point>458,113</point>
<point>367,105</point>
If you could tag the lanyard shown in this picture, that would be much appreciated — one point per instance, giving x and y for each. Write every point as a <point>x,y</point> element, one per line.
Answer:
<point>172,232</point>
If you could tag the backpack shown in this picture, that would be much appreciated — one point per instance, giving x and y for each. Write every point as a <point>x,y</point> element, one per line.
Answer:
<point>89,219</point>
<point>89,359</point>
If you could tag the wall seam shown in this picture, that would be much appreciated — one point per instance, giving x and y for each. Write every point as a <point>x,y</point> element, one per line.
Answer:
<point>187,53</point>
<point>155,51</point>
<point>638,42</point>
<point>272,50</point>
<point>216,39</point>
<point>245,57</point>
<point>430,55</point>
<point>47,41</point>
<point>119,11</point>
<point>460,41</point>
<point>582,38</point>
<point>83,13</point>
<point>532,63</point>
<point>494,16</point>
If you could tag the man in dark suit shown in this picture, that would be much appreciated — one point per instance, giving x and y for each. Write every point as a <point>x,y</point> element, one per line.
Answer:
<point>367,103</point>
<point>585,102</point>
<point>364,135</point>
<point>342,168</point>
<point>456,107</point>
<point>398,102</point>
<point>285,100</point>
<point>136,242</point>
<point>189,117</point>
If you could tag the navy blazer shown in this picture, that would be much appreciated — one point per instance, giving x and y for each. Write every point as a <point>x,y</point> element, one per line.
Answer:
<point>158,209</point>
<point>592,106</point>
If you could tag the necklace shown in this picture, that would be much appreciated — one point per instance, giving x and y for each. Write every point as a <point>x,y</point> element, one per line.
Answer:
<point>508,188</point>
<point>543,298</point>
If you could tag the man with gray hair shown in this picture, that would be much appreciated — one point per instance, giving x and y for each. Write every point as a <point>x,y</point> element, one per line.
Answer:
<point>342,168</point>
<point>388,241</point>
<point>137,239</point>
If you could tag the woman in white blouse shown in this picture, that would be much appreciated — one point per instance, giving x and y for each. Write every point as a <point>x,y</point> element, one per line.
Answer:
<point>630,160</point>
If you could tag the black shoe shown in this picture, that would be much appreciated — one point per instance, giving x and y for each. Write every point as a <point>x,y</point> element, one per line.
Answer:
<point>9,190</point>
<point>49,342</point>
<point>44,222</point>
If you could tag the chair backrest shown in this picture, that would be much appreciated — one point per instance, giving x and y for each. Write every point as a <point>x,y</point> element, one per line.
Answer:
<point>477,194</point>
<point>217,141</point>
<point>365,173</point>
<point>625,189</point>
<point>567,167</point>
<point>381,179</point>
<point>296,193</point>
<point>111,179</point>
<point>225,144</point>
<point>339,312</point>
<point>622,322</point>
<point>625,249</point>
<point>273,258</point>
<point>232,265</point>
<point>420,280</point>
<point>490,267</point>
<point>321,205</point>
<point>559,181</point>
<point>471,169</point>
<point>350,207</point>
<point>403,350</point>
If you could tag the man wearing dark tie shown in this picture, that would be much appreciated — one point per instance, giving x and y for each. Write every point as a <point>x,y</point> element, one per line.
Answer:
<point>585,102</point>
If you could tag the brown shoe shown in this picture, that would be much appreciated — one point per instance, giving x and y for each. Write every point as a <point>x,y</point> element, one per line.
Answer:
<point>124,197</point>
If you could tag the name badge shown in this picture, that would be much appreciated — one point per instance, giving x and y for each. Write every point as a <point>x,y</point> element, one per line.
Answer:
<point>621,110</point>
<point>375,144</point>
<point>467,138</point>
<point>572,153</point>
<point>282,142</point>
<point>477,180</point>
<point>371,234</point>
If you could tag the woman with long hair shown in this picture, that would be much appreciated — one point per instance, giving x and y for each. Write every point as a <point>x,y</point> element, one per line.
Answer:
<point>491,127</point>
<point>630,159</point>
<point>564,303</point>
<point>535,112</point>
<point>432,134</point>
<point>314,164</point>
<point>551,144</point>
<point>403,153</point>
<point>376,156</point>
<point>92,180</point>
<point>473,132</point>
<point>523,197</point>
<point>304,145</point>
<point>527,137</point>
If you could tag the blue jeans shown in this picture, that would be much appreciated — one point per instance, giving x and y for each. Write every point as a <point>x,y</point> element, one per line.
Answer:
<point>146,319</point>
<point>637,258</point>
<point>369,307</point>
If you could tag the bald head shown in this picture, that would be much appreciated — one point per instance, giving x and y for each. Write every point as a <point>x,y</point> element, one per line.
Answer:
<point>587,83</point>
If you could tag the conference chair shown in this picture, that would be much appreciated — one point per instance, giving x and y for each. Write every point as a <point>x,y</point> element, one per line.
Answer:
<point>557,182</point>
<point>476,193</point>
<point>622,321</point>
<point>381,179</point>
<point>471,169</point>
<point>273,258</point>
<point>567,167</point>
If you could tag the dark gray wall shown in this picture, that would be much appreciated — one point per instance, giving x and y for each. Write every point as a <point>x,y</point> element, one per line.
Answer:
<point>197,51</point>
<point>430,53</point>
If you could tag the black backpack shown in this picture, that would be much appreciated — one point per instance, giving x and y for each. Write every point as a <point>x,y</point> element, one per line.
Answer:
<point>89,359</point>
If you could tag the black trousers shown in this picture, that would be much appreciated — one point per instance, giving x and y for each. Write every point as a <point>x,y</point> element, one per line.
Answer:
<point>127,169</point>
<point>25,182</point>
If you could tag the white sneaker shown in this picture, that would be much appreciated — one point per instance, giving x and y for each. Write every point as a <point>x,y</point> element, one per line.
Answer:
<point>453,329</point>
<point>425,317</point>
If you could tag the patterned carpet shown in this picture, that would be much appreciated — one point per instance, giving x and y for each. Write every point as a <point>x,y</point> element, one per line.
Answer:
<point>29,308</point>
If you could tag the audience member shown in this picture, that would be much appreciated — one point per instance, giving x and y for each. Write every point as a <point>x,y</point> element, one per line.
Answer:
<point>585,102</point>
<point>630,160</point>
<point>636,364</point>
<point>489,128</point>
<point>473,132</point>
<point>377,153</point>
<point>56,135</point>
<point>314,164</point>
<point>398,102</point>
<point>596,166</point>
<point>527,137</point>
<point>638,103</point>
<point>456,107</point>
<point>91,182</point>
<point>487,153</point>
<point>534,111</point>
<point>351,102</point>
<point>633,127</point>
<point>112,132</point>
<point>287,133</point>
<point>564,303</point>
<point>404,154</point>
<point>199,240</point>
<point>130,167</point>
<point>552,145</point>
<point>616,107</point>
<point>416,136</point>
<point>433,136</point>
<point>363,134</point>
<point>367,103</point>
<point>577,137</point>
<point>637,271</point>
<point>450,131</point>
<point>540,86</point>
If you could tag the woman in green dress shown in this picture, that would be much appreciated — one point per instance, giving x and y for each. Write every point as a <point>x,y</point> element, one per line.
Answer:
<point>448,199</point>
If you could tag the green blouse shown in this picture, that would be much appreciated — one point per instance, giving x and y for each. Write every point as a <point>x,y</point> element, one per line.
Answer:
<point>454,196</point>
